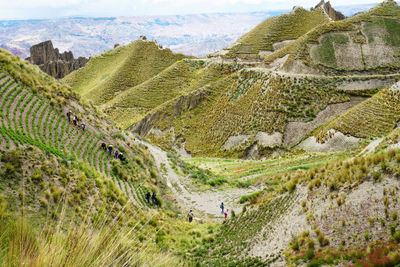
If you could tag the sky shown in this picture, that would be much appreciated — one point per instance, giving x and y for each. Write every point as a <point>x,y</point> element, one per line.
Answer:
<point>48,9</point>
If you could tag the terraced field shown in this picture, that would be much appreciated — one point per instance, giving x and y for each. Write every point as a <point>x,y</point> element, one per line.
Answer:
<point>234,242</point>
<point>27,119</point>
<point>255,170</point>
<point>380,115</point>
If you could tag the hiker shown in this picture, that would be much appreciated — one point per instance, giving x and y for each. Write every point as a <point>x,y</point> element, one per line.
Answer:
<point>103,146</point>
<point>116,153</point>
<point>154,198</point>
<point>222,208</point>
<point>74,120</point>
<point>190,216</point>
<point>83,126</point>
<point>69,113</point>
<point>110,148</point>
<point>121,157</point>
<point>226,214</point>
<point>148,197</point>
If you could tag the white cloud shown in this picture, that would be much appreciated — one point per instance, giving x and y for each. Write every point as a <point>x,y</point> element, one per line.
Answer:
<point>56,8</point>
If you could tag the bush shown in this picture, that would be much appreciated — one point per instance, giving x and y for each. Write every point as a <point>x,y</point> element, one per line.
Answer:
<point>310,254</point>
<point>395,216</point>
<point>246,198</point>
<point>396,236</point>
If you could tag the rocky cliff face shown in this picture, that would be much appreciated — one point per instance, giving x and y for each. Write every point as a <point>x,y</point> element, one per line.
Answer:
<point>54,63</point>
<point>330,11</point>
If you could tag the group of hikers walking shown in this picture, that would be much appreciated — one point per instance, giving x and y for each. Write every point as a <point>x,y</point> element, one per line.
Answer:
<point>223,212</point>
<point>116,154</point>
<point>109,149</point>
<point>75,119</point>
<point>153,198</point>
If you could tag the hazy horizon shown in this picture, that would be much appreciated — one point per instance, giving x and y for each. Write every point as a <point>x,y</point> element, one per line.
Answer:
<point>47,9</point>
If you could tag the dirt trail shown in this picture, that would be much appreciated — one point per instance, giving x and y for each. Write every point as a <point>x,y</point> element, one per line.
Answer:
<point>204,204</point>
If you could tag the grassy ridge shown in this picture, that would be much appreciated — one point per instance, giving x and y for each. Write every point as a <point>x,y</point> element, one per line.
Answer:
<point>300,49</point>
<point>181,78</point>
<point>379,116</point>
<point>288,26</point>
<point>117,70</point>
<point>243,103</point>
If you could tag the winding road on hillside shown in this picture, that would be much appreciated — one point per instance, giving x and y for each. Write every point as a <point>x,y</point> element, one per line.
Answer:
<point>204,203</point>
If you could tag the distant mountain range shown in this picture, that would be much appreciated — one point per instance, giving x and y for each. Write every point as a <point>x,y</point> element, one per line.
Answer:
<point>195,35</point>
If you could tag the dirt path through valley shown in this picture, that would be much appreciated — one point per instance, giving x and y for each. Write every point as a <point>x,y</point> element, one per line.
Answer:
<point>204,204</point>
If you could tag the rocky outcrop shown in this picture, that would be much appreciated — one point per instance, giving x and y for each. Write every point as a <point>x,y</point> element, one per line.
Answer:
<point>54,63</point>
<point>330,11</point>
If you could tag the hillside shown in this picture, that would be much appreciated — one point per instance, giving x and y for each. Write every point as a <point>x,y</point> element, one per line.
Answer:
<point>28,118</point>
<point>341,213</point>
<point>252,112</point>
<point>181,78</point>
<point>291,163</point>
<point>274,33</point>
<point>380,116</point>
<point>117,70</point>
<point>365,43</point>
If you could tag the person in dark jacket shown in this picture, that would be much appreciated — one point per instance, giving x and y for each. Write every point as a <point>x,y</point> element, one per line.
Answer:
<point>190,216</point>
<point>69,113</point>
<point>148,197</point>
<point>154,198</point>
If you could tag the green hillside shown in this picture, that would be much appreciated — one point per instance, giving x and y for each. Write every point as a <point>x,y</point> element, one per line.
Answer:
<point>63,199</point>
<point>322,215</point>
<point>273,30</point>
<point>244,103</point>
<point>179,79</point>
<point>117,70</point>
<point>379,115</point>
<point>27,118</point>
<point>368,42</point>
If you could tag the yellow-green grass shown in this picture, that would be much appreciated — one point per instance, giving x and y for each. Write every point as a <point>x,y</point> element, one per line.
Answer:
<point>256,170</point>
<point>242,103</point>
<point>374,117</point>
<point>181,78</point>
<point>333,181</point>
<point>33,77</point>
<point>300,49</point>
<point>119,69</point>
<point>288,26</point>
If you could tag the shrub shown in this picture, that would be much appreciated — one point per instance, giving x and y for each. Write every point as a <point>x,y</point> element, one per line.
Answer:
<point>36,176</point>
<point>291,186</point>
<point>367,236</point>
<point>376,176</point>
<point>310,254</point>
<point>395,216</point>
<point>43,202</point>
<point>396,236</point>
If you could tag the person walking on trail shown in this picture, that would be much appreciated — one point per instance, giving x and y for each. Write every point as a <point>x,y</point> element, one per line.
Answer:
<point>116,153</point>
<point>226,214</point>
<point>103,146</point>
<point>190,216</point>
<point>69,113</point>
<point>222,207</point>
<point>110,148</point>
<point>148,197</point>
<point>83,126</point>
<point>154,198</point>
<point>74,120</point>
<point>121,157</point>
